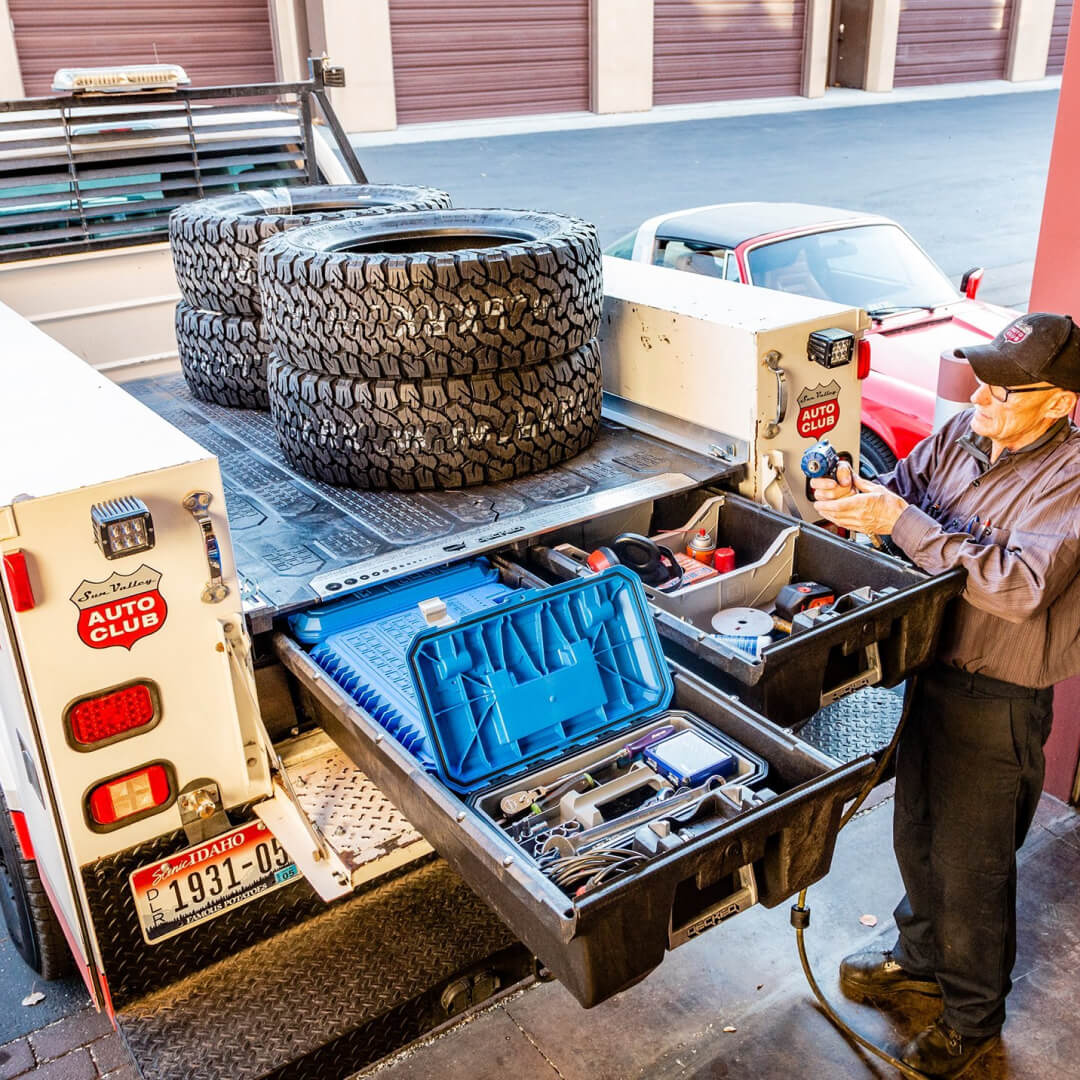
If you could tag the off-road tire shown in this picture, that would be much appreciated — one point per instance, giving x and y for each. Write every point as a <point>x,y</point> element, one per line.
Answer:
<point>438,432</point>
<point>31,921</point>
<point>223,357</point>
<point>431,294</point>
<point>875,457</point>
<point>215,242</point>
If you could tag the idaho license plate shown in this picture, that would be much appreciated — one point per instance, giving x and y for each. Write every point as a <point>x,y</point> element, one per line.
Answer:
<point>174,894</point>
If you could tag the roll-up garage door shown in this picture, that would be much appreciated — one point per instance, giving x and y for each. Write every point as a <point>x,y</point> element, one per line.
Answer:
<point>942,41</point>
<point>466,58</point>
<point>216,42</point>
<point>705,50</point>
<point>1059,35</point>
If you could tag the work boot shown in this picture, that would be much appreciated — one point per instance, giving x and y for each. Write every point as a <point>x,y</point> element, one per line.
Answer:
<point>940,1051</point>
<point>877,974</point>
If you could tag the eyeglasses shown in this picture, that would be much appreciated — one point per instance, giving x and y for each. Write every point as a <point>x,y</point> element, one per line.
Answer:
<point>1002,393</point>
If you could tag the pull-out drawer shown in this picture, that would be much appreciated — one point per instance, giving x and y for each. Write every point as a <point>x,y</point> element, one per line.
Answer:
<point>883,626</point>
<point>602,940</point>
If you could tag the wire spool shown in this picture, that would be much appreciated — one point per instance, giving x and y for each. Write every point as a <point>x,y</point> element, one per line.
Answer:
<point>746,629</point>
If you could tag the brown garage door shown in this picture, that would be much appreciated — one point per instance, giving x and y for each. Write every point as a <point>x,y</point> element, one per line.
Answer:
<point>463,58</point>
<point>1055,62</point>
<point>705,50</point>
<point>942,41</point>
<point>215,41</point>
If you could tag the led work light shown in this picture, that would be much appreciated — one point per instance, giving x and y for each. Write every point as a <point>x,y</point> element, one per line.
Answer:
<point>831,348</point>
<point>122,527</point>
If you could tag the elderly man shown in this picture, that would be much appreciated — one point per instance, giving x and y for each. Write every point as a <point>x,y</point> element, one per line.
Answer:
<point>997,492</point>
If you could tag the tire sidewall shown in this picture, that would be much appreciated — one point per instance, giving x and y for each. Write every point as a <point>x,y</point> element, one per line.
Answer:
<point>224,233</point>
<point>534,293</point>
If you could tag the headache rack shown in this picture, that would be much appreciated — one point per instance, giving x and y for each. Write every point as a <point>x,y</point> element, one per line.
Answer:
<point>85,172</point>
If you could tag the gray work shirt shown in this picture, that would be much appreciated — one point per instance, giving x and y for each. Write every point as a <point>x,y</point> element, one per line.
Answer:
<point>1014,525</point>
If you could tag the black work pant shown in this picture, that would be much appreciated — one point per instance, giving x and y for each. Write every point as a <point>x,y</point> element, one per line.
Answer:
<point>969,773</point>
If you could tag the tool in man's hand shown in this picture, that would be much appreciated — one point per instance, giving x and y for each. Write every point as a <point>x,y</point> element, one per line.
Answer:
<point>519,802</point>
<point>822,461</point>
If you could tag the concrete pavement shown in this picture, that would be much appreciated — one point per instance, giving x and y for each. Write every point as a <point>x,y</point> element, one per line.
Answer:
<point>965,176</point>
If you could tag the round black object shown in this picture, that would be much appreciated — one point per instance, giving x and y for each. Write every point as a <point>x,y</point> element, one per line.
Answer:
<point>223,357</point>
<point>434,293</point>
<point>875,457</point>
<point>215,242</point>
<point>651,562</point>
<point>438,432</point>
<point>31,921</point>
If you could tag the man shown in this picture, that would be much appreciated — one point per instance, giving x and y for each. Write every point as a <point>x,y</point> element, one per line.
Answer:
<point>997,492</point>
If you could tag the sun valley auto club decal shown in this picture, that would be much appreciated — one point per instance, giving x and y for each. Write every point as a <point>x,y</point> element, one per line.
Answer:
<point>121,609</point>
<point>819,410</point>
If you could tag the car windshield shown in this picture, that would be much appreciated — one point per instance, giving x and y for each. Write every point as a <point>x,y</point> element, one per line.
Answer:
<point>875,267</point>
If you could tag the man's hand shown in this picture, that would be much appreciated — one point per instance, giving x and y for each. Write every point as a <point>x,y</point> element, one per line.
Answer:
<point>854,503</point>
<point>826,488</point>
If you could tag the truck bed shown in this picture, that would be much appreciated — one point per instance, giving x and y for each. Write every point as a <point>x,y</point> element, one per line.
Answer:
<point>298,541</point>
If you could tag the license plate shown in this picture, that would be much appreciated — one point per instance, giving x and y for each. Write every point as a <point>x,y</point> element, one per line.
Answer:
<point>174,894</point>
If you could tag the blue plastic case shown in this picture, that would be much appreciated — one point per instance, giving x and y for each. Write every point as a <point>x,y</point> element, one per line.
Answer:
<point>505,690</point>
<point>361,641</point>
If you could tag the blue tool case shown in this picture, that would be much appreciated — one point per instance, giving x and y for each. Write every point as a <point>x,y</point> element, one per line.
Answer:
<point>361,641</point>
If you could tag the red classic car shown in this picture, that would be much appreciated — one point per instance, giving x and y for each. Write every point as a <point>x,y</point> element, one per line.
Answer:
<point>861,260</point>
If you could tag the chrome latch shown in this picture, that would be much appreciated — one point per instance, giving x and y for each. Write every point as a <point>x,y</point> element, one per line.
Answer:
<point>201,811</point>
<point>197,503</point>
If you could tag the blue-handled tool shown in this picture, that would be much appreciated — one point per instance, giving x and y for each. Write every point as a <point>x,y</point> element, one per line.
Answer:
<point>822,460</point>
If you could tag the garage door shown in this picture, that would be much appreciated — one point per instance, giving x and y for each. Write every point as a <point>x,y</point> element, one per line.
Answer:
<point>942,41</point>
<point>215,41</point>
<point>1055,62</point>
<point>466,58</point>
<point>705,50</point>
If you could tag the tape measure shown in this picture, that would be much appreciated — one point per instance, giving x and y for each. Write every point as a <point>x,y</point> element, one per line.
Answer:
<point>801,596</point>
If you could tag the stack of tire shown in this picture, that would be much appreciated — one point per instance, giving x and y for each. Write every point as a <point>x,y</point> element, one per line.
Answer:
<point>434,349</point>
<point>215,249</point>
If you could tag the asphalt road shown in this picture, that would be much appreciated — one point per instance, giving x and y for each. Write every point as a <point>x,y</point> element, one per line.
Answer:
<point>965,176</point>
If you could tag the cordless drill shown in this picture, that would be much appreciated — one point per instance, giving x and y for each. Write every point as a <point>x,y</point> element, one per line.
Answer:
<point>822,461</point>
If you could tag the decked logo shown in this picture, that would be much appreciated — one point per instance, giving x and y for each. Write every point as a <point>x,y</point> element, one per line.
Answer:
<point>819,410</point>
<point>121,609</point>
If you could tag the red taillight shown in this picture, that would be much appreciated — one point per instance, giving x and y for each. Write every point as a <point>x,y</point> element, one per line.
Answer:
<point>104,717</point>
<point>862,369</point>
<point>132,795</point>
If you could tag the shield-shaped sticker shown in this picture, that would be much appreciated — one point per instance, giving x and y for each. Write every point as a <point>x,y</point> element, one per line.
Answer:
<point>121,609</point>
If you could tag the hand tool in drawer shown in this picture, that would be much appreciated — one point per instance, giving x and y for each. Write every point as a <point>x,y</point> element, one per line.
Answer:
<point>538,797</point>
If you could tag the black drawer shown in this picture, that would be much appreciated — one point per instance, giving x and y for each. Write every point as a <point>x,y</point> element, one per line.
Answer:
<point>603,942</point>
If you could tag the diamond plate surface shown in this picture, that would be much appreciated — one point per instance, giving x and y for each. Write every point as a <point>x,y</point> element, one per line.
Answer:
<point>289,532</point>
<point>132,967</point>
<point>356,818</point>
<point>354,982</point>
<point>862,723</point>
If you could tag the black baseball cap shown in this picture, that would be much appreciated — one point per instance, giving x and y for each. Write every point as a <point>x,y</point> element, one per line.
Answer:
<point>1037,347</point>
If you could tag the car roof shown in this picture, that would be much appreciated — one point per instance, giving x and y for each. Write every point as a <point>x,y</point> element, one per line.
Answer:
<point>730,224</point>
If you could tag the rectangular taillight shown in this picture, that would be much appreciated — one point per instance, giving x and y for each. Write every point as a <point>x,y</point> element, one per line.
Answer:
<point>121,800</point>
<point>104,717</point>
<point>863,366</point>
